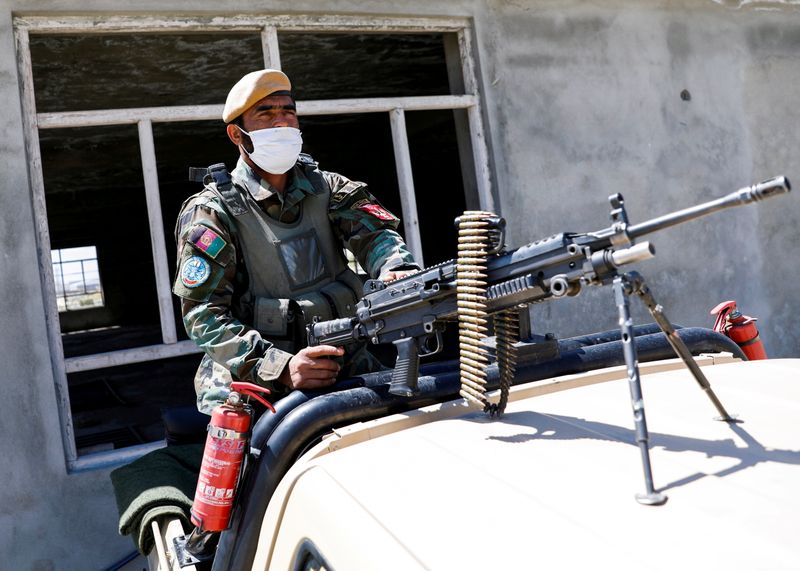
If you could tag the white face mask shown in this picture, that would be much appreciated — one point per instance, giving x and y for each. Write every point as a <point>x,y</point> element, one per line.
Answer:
<point>275,150</point>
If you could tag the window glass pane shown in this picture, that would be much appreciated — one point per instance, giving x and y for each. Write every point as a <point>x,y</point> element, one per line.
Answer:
<point>345,66</point>
<point>58,278</point>
<point>91,71</point>
<point>91,275</point>
<point>75,301</point>
<point>77,283</point>
<point>73,276</point>
<point>95,196</point>
<point>84,253</point>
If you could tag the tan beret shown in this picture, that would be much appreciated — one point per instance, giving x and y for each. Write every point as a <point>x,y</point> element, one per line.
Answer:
<point>252,87</point>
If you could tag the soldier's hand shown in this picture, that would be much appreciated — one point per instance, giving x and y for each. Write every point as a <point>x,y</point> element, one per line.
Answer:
<point>392,276</point>
<point>311,369</point>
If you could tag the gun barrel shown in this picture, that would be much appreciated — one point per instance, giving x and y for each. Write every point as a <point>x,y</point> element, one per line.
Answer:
<point>746,195</point>
<point>636,253</point>
<point>334,332</point>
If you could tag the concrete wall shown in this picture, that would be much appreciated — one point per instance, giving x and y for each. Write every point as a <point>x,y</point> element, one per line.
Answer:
<point>585,101</point>
<point>581,100</point>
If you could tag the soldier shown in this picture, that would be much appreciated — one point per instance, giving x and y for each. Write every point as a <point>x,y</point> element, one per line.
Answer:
<point>260,253</point>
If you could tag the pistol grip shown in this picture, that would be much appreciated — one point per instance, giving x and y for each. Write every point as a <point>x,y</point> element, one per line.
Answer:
<point>406,368</point>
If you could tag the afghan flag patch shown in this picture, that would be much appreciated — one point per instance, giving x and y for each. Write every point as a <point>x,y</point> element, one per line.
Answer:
<point>207,240</point>
<point>376,210</point>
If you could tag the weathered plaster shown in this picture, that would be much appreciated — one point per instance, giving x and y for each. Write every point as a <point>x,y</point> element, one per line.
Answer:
<point>588,103</point>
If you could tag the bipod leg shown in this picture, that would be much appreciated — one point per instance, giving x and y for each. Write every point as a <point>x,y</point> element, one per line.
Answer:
<point>621,291</point>
<point>637,285</point>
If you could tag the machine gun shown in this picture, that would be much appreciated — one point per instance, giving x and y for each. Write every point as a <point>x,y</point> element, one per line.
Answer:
<point>486,280</point>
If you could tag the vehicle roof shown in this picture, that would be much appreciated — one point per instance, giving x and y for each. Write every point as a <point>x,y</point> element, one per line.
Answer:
<point>553,481</point>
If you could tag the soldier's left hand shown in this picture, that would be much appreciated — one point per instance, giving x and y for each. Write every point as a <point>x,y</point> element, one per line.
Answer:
<point>392,276</point>
<point>310,368</point>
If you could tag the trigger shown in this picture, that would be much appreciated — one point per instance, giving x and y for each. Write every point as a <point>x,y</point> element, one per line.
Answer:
<point>431,344</point>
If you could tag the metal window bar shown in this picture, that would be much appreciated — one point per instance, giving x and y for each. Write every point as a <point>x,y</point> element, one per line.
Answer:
<point>405,182</point>
<point>157,240</point>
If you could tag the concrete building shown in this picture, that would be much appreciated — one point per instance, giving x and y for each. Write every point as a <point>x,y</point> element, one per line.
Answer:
<point>536,109</point>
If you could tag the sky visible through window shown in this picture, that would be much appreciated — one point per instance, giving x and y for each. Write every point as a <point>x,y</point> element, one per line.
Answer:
<point>77,278</point>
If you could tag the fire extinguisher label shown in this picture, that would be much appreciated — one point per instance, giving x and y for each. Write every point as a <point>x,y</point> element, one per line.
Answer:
<point>227,445</point>
<point>211,493</point>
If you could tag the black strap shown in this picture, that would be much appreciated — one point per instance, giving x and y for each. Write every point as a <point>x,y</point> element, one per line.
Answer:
<point>229,192</point>
<point>198,174</point>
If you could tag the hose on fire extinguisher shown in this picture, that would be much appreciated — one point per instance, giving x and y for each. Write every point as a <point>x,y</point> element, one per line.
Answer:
<point>741,328</point>
<point>220,472</point>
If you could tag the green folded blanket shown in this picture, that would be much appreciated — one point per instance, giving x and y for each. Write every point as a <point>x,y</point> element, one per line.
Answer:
<point>159,484</point>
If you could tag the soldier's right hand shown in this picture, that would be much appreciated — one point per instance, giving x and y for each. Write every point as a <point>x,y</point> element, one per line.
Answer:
<point>311,369</point>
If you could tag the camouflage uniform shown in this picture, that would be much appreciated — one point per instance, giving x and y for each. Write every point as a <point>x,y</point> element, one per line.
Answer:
<point>214,312</point>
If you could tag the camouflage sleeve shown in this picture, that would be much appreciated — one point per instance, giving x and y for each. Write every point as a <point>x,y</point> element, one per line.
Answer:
<point>366,228</point>
<point>206,271</point>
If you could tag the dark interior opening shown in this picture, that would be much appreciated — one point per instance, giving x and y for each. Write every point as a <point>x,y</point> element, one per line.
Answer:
<point>346,66</point>
<point>121,406</point>
<point>95,197</point>
<point>121,71</point>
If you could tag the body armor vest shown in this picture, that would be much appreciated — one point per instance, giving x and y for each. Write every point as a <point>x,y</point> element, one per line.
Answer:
<point>296,271</point>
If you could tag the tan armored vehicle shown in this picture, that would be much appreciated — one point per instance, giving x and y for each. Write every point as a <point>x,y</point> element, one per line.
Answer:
<point>549,484</point>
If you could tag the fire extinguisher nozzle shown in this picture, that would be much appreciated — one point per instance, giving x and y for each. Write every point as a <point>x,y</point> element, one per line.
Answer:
<point>740,328</point>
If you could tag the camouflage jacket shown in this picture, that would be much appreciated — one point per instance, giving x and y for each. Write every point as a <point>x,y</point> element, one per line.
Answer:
<point>233,348</point>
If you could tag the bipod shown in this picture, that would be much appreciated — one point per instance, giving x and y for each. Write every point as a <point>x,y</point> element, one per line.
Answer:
<point>633,283</point>
<point>636,282</point>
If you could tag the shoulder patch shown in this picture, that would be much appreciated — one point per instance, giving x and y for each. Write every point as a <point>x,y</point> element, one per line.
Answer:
<point>207,240</point>
<point>195,271</point>
<point>346,191</point>
<point>376,210</point>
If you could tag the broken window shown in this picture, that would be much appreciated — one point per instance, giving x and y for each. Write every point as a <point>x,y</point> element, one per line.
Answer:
<point>77,278</point>
<point>120,115</point>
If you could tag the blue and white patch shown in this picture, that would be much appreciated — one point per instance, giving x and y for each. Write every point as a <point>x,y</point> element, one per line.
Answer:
<point>195,272</point>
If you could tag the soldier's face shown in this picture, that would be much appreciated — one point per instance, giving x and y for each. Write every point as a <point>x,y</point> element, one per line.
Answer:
<point>270,112</point>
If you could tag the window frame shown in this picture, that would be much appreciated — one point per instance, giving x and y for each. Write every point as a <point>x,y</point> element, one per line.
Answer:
<point>268,25</point>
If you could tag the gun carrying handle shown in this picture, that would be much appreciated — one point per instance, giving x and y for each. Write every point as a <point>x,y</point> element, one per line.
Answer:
<point>406,368</point>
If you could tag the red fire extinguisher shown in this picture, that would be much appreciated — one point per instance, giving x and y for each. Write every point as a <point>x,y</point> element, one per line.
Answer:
<point>741,328</point>
<point>228,433</point>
